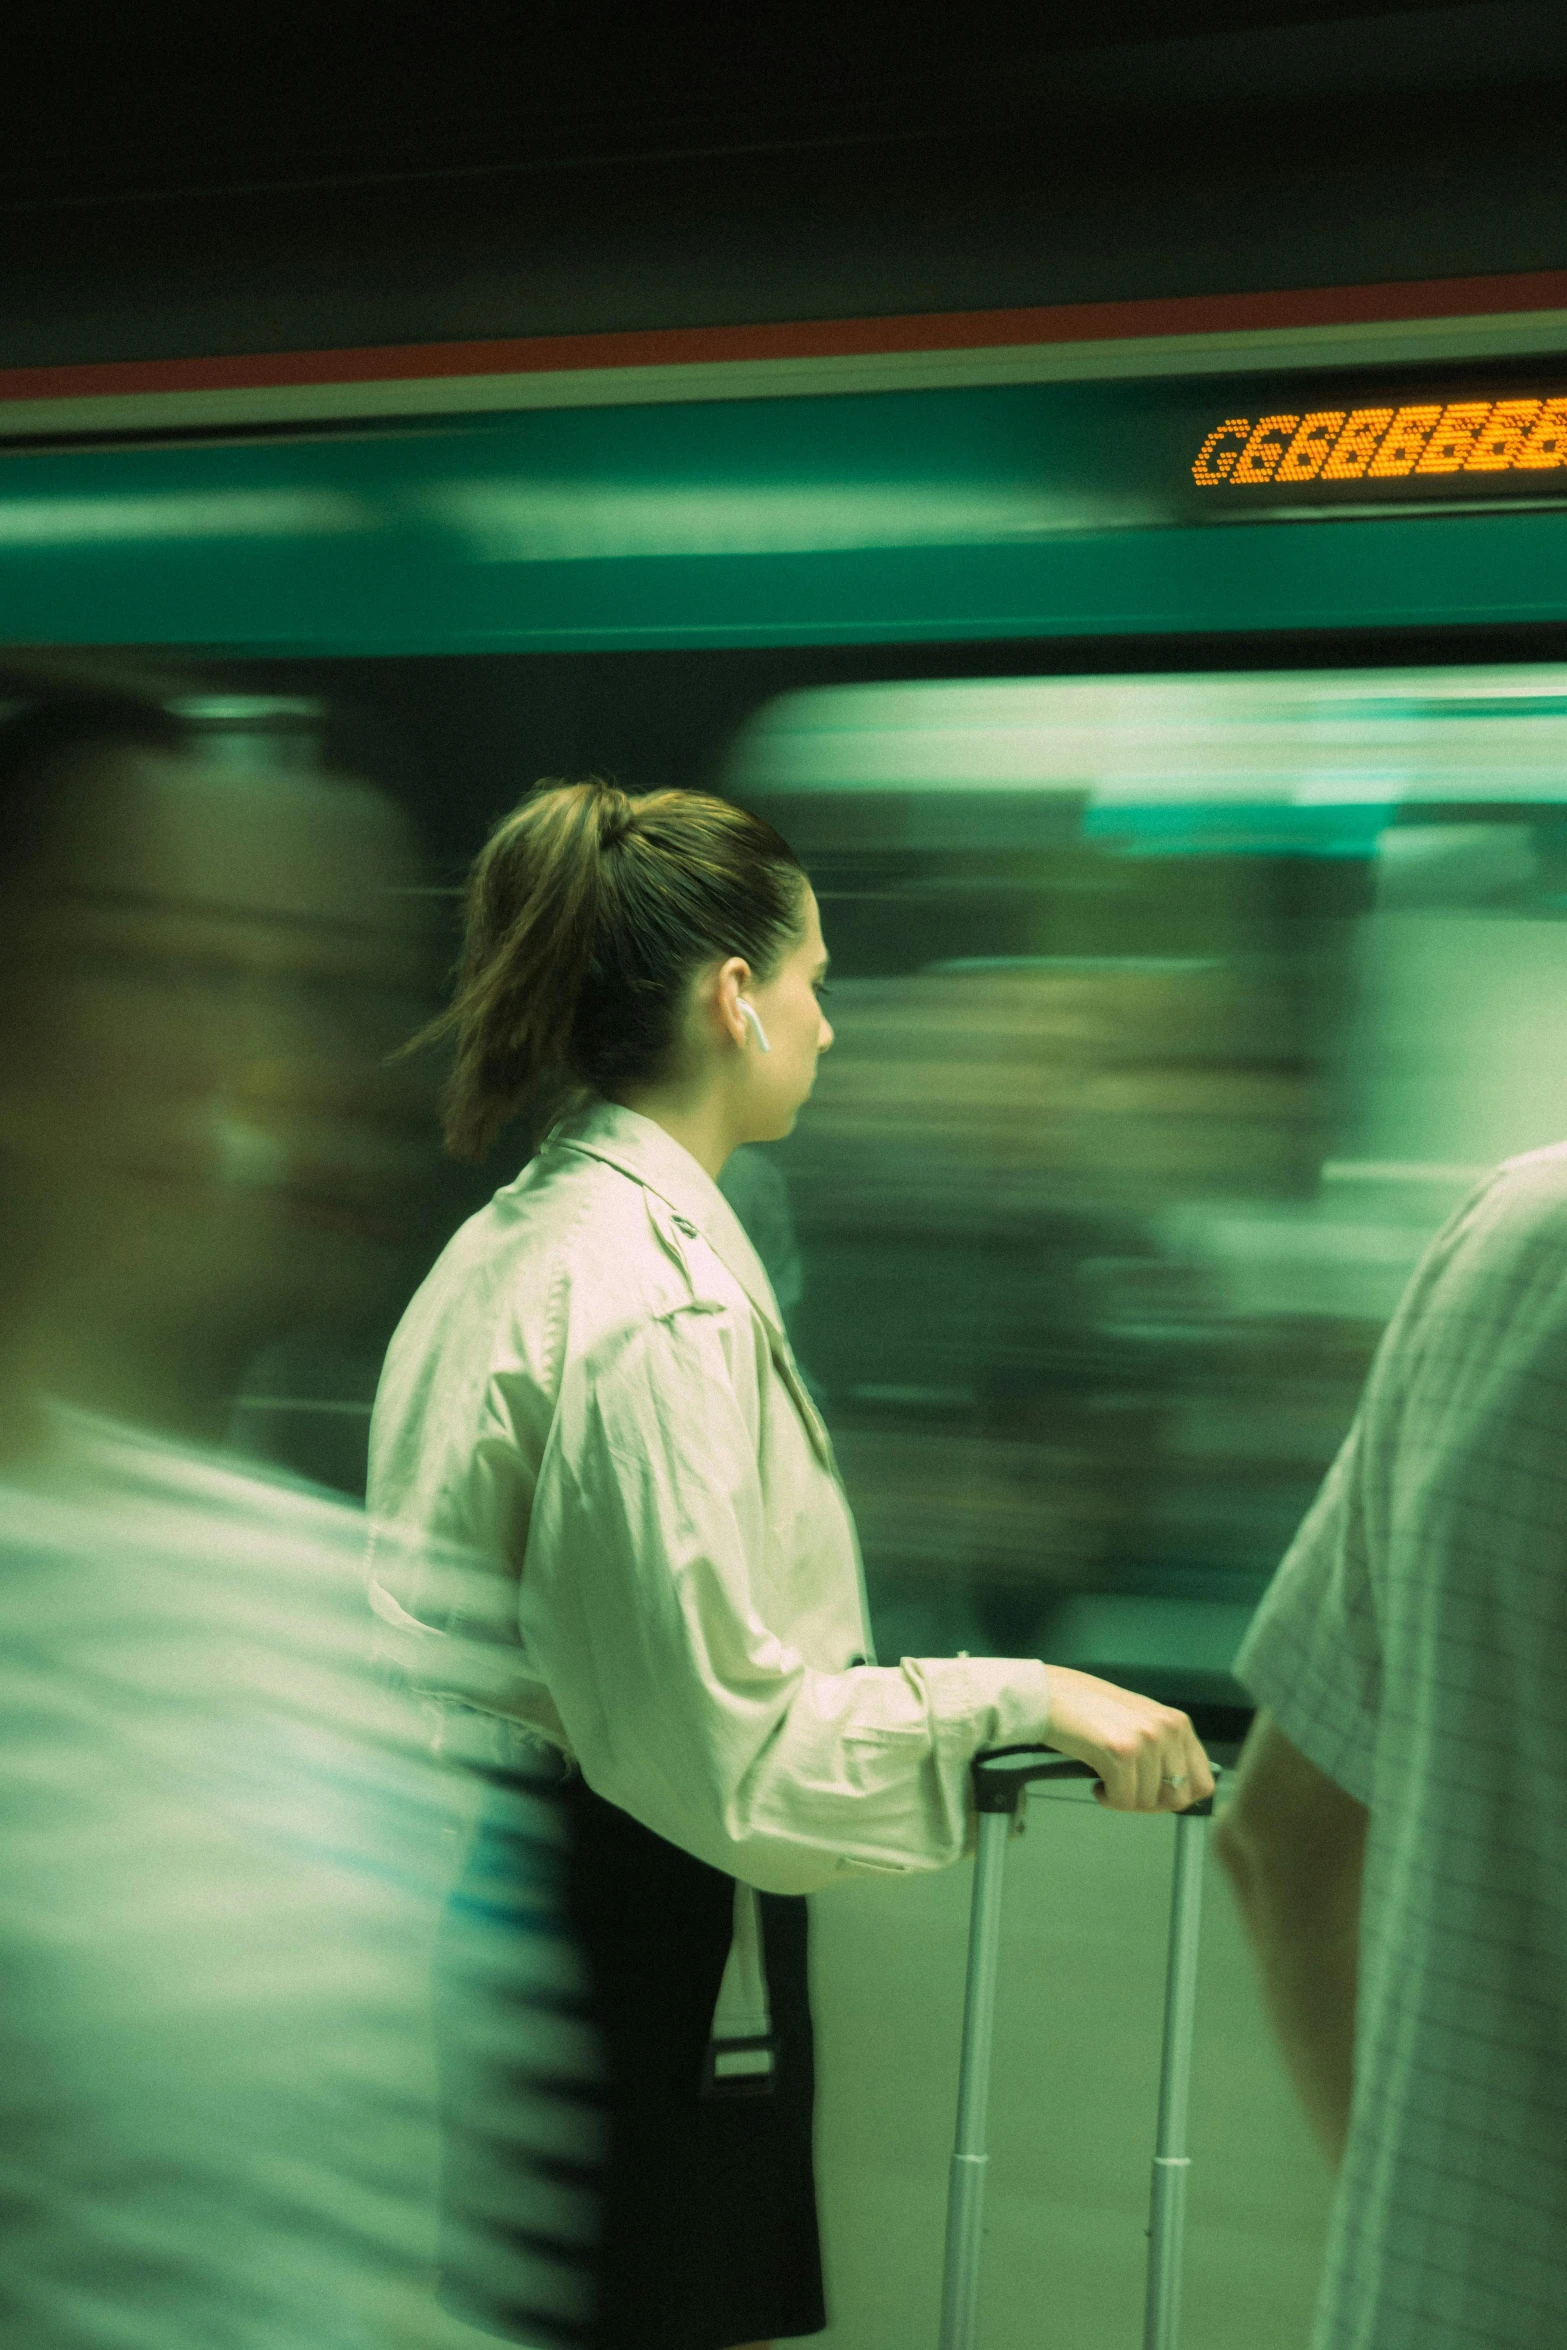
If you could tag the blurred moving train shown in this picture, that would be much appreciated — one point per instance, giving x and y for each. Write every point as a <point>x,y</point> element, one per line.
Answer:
<point>1183,1009</point>
<point>1181,760</point>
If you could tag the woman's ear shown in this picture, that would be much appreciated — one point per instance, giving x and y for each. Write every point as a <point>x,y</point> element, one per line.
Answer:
<point>734,978</point>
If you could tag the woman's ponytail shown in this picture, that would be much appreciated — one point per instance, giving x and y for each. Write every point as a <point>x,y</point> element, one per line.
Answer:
<point>587,912</point>
<point>533,903</point>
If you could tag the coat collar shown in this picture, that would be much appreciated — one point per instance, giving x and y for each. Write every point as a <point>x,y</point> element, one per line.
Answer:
<point>634,1145</point>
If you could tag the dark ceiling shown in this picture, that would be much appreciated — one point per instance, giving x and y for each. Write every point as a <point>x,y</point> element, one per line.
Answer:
<point>153,101</point>
<point>214,178</point>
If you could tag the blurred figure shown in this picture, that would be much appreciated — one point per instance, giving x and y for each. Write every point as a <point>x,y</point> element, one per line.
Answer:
<point>1398,1837</point>
<point>223,1846</point>
<point>1011,1130</point>
<point>203,975</point>
<point>1096,938</point>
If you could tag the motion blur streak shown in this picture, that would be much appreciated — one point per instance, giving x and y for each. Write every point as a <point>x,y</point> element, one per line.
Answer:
<point>1174,1013</point>
<point>225,514</point>
<point>226,1852</point>
<point>567,520</point>
<point>226,1846</point>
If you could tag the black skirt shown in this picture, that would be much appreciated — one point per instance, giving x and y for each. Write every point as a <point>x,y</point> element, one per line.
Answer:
<point>707,2232</point>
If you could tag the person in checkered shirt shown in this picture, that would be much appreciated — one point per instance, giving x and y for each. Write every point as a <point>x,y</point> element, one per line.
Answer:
<point>1398,1834</point>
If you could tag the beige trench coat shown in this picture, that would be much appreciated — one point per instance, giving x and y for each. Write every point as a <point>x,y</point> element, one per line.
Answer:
<point>593,1391</point>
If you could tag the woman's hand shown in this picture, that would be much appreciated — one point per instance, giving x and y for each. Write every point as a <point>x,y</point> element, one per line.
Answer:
<point>1147,1755</point>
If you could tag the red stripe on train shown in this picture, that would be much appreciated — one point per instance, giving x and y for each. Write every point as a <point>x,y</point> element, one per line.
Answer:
<point>827,338</point>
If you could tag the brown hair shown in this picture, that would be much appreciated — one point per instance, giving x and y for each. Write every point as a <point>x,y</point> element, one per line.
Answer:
<point>588,913</point>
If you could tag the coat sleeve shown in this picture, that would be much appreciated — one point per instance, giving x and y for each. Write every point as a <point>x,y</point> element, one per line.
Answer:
<point>684,1706</point>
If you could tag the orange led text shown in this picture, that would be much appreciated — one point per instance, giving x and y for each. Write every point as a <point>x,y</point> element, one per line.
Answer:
<point>1386,444</point>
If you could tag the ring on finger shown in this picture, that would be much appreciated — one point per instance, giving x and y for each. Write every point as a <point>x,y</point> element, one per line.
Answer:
<point>1173,1779</point>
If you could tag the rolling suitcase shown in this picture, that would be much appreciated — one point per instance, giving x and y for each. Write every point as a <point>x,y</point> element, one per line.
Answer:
<point>1002,1779</point>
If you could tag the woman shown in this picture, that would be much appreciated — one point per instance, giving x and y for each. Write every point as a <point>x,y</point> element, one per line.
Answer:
<point>593,1387</point>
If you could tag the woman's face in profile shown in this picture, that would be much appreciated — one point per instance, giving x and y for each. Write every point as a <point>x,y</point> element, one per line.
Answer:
<point>798,1030</point>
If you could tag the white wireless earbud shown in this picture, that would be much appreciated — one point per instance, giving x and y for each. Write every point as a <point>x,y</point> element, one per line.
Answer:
<point>749,1012</point>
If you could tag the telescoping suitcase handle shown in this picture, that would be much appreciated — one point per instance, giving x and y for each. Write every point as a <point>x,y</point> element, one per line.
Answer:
<point>1004,1774</point>
<point>1002,1778</point>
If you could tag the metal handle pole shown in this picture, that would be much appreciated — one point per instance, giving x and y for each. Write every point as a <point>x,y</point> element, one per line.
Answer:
<point>966,2190</point>
<point>1171,2162</point>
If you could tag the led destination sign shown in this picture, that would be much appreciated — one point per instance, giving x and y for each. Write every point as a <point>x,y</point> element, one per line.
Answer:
<point>1427,444</point>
